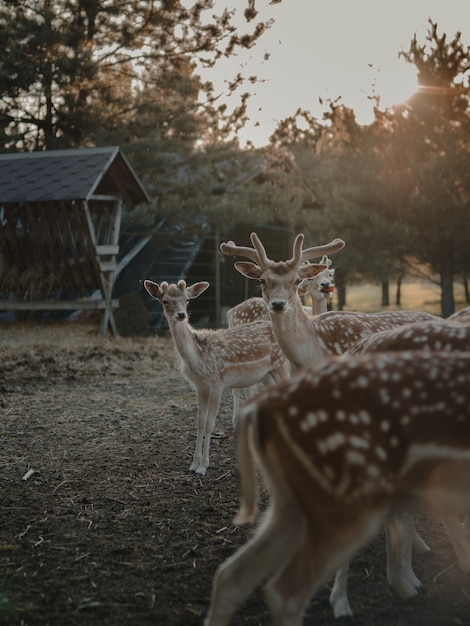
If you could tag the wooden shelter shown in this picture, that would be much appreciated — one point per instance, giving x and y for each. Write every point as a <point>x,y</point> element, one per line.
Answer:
<point>60,215</point>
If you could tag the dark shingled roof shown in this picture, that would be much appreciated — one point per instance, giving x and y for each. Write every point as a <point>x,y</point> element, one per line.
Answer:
<point>68,175</point>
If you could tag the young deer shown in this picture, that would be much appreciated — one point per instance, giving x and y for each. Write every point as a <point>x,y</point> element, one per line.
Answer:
<point>303,338</point>
<point>343,446</point>
<point>215,360</point>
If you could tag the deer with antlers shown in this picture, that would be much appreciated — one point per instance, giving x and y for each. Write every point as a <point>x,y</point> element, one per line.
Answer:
<point>215,360</point>
<point>344,446</point>
<point>320,288</point>
<point>303,338</point>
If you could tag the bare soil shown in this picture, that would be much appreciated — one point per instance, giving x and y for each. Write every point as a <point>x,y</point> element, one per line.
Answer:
<point>100,523</point>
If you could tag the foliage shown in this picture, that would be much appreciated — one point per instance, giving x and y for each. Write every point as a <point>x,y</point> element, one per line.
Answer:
<point>396,190</point>
<point>73,72</point>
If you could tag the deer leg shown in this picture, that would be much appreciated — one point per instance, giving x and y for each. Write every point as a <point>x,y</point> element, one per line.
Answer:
<point>459,542</point>
<point>339,594</point>
<point>236,406</point>
<point>249,393</point>
<point>213,404</point>
<point>203,399</point>
<point>316,558</point>
<point>419,544</point>
<point>275,538</point>
<point>399,532</point>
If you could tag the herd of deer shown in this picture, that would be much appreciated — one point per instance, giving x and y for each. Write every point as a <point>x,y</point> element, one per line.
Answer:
<point>367,425</point>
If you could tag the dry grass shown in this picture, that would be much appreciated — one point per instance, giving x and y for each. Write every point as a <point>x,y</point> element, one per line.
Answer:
<point>415,296</point>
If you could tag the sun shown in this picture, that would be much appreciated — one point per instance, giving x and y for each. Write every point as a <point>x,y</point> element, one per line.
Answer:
<point>392,85</point>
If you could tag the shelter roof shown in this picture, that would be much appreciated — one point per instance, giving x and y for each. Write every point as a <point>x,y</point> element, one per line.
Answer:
<point>77,174</point>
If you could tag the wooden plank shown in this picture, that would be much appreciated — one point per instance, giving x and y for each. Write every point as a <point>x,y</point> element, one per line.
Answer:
<point>88,238</point>
<point>103,250</point>
<point>107,266</point>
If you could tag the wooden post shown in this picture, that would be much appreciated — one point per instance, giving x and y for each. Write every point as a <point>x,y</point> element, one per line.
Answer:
<point>218,319</point>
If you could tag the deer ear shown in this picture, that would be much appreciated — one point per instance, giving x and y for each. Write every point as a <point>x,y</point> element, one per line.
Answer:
<point>249,270</point>
<point>302,288</point>
<point>195,290</point>
<point>311,270</point>
<point>153,289</point>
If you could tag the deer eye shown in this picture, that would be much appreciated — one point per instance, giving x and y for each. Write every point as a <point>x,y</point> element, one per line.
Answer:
<point>165,302</point>
<point>262,282</point>
<point>298,280</point>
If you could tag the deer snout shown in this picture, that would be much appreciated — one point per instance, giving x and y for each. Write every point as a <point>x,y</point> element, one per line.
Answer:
<point>180,315</point>
<point>326,287</point>
<point>278,305</point>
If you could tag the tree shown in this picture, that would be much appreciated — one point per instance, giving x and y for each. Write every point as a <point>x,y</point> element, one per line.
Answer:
<point>349,170</point>
<point>73,71</point>
<point>431,134</point>
<point>398,189</point>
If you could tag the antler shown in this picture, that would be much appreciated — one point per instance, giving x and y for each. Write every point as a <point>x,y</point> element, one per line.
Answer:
<point>258,254</point>
<point>329,248</point>
<point>231,249</point>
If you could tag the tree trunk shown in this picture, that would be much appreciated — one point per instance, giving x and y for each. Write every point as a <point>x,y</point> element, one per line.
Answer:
<point>447,294</point>
<point>218,317</point>
<point>385,292</point>
<point>398,291</point>
<point>466,287</point>
<point>341,291</point>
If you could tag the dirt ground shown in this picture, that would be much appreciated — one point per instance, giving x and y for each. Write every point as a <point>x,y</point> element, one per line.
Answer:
<point>100,523</point>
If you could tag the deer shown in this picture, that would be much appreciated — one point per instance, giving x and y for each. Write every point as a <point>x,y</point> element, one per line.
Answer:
<point>429,335</point>
<point>320,286</point>
<point>444,336</point>
<point>307,339</point>
<point>343,447</point>
<point>304,338</point>
<point>214,360</point>
<point>460,316</point>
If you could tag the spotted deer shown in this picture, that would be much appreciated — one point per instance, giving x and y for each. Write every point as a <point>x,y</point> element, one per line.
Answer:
<point>215,360</point>
<point>429,335</point>
<point>303,338</point>
<point>320,287</point>
<point>308,339</point>
<point>443,336</point>
<point>460,316</point>
<point>344,446</point>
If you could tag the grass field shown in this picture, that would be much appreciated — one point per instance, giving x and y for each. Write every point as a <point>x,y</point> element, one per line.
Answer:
<point>415,295</point>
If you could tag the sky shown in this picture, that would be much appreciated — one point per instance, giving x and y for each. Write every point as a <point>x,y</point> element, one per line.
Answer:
<point>329,49</point>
